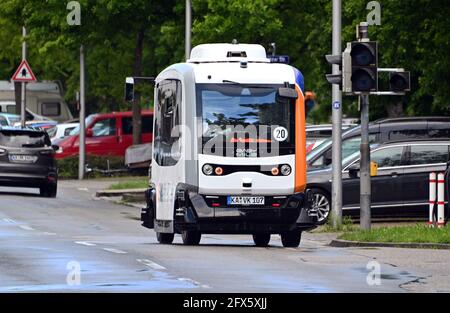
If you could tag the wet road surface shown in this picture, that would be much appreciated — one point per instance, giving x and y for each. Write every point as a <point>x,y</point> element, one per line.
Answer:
<point>77,243</point>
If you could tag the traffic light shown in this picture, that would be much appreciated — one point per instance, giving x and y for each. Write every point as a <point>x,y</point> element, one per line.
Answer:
<point>400,81</point>
<point>343,79</point>
<point>364,63</point>
<point>335,79</point>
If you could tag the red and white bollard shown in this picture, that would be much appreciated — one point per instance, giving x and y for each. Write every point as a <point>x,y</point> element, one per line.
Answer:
<point>432,202</point>
<point>441,200</point>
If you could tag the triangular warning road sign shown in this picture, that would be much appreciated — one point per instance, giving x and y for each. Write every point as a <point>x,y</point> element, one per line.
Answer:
<point>24,73</point>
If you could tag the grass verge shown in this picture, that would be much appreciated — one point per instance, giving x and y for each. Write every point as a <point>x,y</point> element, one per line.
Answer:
<point>401,234</point>
<point>131,184</point>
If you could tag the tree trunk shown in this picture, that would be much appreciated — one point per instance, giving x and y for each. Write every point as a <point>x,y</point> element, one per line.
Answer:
<point>137,72</point>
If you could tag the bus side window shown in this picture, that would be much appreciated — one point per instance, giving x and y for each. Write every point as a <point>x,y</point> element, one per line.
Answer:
<point>166,119</point>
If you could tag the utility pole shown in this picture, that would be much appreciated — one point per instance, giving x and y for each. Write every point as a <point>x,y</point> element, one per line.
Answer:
<point>23,104</point>
<point>188,29</point>
<point>362,34</point>
<point>336,197</point>
<point>82,136</point>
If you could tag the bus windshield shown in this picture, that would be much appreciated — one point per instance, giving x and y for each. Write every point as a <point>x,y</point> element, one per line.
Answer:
<point>245,120</point>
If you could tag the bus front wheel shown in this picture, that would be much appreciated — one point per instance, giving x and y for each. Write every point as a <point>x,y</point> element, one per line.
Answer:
<point>291,239</point>
<point>165,238</point>
<point>191,237</point>
<point>261,239</point>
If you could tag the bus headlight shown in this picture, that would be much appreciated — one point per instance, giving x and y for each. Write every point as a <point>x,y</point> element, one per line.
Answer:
<point>218,171</point>
<point>207,169</point>
<point>275,171</point>
<point>286,170</point>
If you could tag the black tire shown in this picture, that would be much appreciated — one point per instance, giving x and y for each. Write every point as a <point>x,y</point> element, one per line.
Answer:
<point>49,191</point>
<point>261,239</point>
<point>291,239</point>
<point>322,202</point>
<point>165,238</point>
<point>191,237</point>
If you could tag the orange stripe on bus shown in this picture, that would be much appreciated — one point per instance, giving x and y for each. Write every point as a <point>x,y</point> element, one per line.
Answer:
<point>300,142</point>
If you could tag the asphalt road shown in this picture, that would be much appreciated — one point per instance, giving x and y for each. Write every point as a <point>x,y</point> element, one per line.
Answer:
<point>45,243</point>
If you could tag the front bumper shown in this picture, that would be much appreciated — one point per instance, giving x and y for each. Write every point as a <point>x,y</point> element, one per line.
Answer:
<point>196,212</point>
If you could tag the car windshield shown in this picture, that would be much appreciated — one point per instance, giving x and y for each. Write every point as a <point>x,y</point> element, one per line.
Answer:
<point>325,145</point>
<point>23,139</point>
<point>246,121</point>
<point>88,121</point>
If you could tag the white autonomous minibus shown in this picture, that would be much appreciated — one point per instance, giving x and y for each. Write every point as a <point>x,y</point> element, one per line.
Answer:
<point>229,148</point>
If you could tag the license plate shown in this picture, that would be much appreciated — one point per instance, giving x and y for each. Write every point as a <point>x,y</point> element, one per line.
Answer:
<point>22,158</point>
<point>238,200</point>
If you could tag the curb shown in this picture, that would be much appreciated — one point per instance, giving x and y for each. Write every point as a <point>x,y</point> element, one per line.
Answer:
<point>345,244</point>
<point>119,193</point>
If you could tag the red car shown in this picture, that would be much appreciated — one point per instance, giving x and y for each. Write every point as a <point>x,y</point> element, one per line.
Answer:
<point>106,134</point>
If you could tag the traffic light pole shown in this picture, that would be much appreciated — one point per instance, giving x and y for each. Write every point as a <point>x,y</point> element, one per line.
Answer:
<point>365,183</point>
<point>23,102</point>
<point>336,196</point>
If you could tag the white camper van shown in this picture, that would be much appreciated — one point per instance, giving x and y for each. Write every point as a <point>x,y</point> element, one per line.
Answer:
<point>229,148</point>
<point>43,99</point>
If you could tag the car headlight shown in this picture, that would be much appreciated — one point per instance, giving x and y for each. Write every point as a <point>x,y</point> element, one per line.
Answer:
<point>207,169</point>
<point>59,151</point>
<point>286,170</point>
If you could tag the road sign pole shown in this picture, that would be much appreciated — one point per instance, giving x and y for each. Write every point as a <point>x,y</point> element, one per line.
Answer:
<point>188,29</point>
<point>336,197</point>
<point>23,103</point>
<point>82,137</point>
<point>365,219</point>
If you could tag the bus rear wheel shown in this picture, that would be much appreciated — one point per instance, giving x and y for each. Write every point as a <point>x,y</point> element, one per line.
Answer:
<point>191,237</point>
<point>261,239</point>
<point>165,238</point>
<point>291,239</point>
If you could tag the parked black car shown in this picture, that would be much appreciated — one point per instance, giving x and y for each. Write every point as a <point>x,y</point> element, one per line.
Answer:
<point>381,131</point>
<point>27,160</point>
<point>399,190</point>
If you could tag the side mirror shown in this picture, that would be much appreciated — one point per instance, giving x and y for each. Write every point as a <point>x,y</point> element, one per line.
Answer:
<point>89,132</point>
<point>353,171</point>
<point>129,89</point>
<point>287,93</point>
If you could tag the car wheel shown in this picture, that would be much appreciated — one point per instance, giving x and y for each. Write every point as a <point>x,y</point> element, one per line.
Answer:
<point>52,191</point>
<point>48,191</point>
<point>165,238</point>
<point>261,239</point>
<point>191,237</point>
<point>291,239</point>
<point>322,204</point>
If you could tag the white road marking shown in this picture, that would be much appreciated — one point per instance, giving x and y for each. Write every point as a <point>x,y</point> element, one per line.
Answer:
<point>25,227</point>
<point>83,189</point>
<point>194,282</point>
<point>117,251</point>
<point>85,243</point>
<point>49,234</point>
<point>292,249</point>
<point>151,264</point>
<point>9,221</point>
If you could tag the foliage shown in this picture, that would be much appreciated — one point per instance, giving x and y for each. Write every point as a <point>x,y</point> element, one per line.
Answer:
<point>413,35</point>
<point>68,167</point>
<point>401,234</point>
<point>130,184</point>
